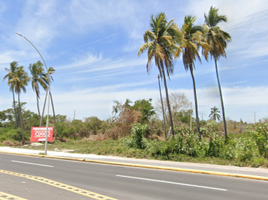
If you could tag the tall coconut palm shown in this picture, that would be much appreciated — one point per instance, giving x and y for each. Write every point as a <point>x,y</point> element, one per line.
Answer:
<point>10,75</point>
<point>20,81</point>
<point>159,41</point>
<point>214,115</point>
<point>217,40</point>
<point>192,40</point>
<point>38,77</point>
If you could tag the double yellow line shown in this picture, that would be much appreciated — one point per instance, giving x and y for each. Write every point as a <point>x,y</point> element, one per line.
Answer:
<point>5,196</point>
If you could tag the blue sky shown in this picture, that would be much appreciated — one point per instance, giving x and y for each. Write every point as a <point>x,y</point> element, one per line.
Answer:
<point>93,46</point>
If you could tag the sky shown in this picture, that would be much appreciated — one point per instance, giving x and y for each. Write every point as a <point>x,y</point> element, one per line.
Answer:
<point>93,46</point>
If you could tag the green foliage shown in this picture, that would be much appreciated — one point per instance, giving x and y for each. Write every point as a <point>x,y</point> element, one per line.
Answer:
<point>260,135</point>
<point>12,134</point>
<point>136,139</point>
<point>93,124</point>
<point>184,116</point>
<point>146,109</point>
<point>137,131</point>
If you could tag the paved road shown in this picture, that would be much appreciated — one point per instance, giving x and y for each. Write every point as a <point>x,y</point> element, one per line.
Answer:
<point>197,166</point>
<point>29,189</point>
<point>135,183</point>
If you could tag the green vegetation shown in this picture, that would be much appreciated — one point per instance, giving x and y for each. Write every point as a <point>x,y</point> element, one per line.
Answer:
<point>246,145</point>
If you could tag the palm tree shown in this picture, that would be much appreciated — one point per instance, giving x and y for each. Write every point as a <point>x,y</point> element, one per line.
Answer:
<point>214,115</point>
<point>161,46</point>
<point>192,40</point>
<point>20,81</point>
<point>10,75</point>
<point>38,78</point>
<point>217,40</point>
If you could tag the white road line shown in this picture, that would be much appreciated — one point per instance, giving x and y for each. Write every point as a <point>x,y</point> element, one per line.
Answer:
<point>28,163</point>
<point>174,183</point>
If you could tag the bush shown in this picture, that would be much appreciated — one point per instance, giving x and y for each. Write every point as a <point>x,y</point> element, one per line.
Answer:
<point>136,139</point>
<point>137,131</point>
<point>260,135</point>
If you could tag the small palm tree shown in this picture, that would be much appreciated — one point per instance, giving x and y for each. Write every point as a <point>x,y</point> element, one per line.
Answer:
<point>38,77</point>
<point>217,40</point>
<point>214,115</point>
<point>10,75</point>
<point>20,81</point>
<point>192,40</point>
<point>162,49</point>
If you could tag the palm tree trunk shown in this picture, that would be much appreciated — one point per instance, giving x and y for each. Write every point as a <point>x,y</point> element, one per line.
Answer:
<point>169,110</point>
<point>52,105</point>
<point>196,105</point>
<point>21,124</point>
<point>222,105</point>
<point>38,110</point>
<point>16,118</point>
<point>162,108</point>
<point>41,119</point>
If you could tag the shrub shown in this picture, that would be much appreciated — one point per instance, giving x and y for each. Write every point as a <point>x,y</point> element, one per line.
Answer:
<point>137,131</point>
<point>260,135</point>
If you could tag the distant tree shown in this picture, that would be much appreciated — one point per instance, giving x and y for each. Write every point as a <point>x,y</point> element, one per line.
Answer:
<point>192,40</point>
<point>94,124</point>
<point>178,103</point>
<point>214,115</point>
<point>145,107</point>
<point>162,49</point>
<point>123,117</point>
<point>217,40</point>
<point>10,75</point>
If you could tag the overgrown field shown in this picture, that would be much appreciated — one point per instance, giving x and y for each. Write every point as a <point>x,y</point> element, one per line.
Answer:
<point>245,149</point>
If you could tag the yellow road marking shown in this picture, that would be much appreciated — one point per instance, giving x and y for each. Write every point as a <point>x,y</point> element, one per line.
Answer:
<point>5,196</point>
<point>59,185</point>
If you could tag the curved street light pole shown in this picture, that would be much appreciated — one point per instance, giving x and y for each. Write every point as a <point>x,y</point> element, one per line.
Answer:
<point>48,90</point>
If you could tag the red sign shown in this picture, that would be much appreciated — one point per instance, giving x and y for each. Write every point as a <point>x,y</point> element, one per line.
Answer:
<point>38,134</point>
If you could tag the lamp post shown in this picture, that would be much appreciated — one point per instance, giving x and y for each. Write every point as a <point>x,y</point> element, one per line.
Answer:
<point>48,89</point>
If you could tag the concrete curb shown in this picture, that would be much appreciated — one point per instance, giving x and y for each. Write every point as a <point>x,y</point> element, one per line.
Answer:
<point>146,166</point>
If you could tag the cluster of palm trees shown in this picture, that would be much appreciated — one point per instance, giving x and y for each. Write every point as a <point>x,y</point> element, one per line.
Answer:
<point>165,42</point>
<point>18,80</point>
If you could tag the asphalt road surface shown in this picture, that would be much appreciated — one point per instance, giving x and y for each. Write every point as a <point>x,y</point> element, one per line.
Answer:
<point>121,182</point>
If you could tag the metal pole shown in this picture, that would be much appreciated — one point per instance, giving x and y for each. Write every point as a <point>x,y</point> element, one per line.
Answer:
<point>48,89</point>
<point>162,108</point>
